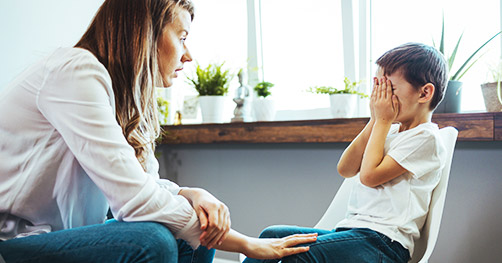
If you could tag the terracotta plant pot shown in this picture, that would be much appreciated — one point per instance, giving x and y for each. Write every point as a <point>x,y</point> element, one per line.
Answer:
<point>490,96</point>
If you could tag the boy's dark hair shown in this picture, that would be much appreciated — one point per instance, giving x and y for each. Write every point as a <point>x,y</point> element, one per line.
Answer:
<point>419,64</point>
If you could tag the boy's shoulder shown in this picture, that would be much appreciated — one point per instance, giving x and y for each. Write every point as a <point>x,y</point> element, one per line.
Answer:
<point>425,135</point>
<point>426,128</point>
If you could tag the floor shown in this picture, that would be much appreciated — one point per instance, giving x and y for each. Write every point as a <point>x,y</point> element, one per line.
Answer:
<point>221,260</point>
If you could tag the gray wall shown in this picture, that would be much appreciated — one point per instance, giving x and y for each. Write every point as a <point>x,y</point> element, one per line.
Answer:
<point>265,184</point>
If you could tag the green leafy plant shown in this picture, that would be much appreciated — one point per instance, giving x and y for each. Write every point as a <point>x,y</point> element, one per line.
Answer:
<point>350,88</point>
<point>451,57</point>
<point>212,80</point>
<point>263,89</point>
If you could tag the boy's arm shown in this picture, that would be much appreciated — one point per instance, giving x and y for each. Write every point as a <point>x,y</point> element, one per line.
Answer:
<point>376,168</point>
<point>350,162</point>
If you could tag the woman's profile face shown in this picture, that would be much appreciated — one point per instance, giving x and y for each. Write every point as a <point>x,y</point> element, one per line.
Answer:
<point>173,52</point>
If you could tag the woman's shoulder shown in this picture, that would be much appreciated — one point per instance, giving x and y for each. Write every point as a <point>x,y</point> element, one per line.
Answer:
<point>71,58</point>
<point>78,72</point>
<point>76,65</point>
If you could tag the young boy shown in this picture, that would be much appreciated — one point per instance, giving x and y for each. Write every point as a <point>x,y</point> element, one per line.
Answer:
<point>398,157</point>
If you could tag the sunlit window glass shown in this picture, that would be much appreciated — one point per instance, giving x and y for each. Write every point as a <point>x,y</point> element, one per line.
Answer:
<point>395,22</point>
<point>302,47</point>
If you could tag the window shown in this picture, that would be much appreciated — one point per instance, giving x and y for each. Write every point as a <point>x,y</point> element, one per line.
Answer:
<point>302,47</point>
<point>218,34</point>
<point>395,22</point>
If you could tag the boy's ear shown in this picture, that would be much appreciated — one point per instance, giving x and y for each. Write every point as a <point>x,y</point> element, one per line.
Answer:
<point>426,93</point>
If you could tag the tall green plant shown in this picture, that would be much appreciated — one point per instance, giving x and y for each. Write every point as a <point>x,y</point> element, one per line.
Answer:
<point>212,80</point>
<point>465,66</point>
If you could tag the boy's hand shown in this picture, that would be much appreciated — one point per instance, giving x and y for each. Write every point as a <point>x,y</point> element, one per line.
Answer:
<point>384,104</point>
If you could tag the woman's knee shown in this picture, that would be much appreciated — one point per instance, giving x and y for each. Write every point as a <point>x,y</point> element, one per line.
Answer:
<point>157,242</point>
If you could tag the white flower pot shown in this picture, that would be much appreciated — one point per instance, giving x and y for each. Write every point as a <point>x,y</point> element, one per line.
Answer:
<point>212,108</point>
<point>343,105</point>
<point>263,109</point>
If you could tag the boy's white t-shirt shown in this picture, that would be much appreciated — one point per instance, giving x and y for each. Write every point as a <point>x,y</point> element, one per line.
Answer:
<point>398,208</point>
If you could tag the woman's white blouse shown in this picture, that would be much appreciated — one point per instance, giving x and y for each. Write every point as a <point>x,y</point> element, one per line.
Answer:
<point>64,159</point>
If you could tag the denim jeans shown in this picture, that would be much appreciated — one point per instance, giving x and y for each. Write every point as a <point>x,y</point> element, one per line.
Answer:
<point>340,245</point>
<point>110,242</point>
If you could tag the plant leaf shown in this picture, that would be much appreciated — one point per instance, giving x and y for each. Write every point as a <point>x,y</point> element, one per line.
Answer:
<point>455,76</point>
<point>454,53</point>
<point>441,42</point>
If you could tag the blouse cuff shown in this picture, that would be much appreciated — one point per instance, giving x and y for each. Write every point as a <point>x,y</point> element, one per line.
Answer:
<point>191,232</point>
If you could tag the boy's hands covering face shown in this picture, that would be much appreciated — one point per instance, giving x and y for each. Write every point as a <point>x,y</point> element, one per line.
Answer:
<point>384,104</point>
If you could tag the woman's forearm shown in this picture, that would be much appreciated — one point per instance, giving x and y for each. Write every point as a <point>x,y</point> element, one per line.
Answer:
<point>266,248</point>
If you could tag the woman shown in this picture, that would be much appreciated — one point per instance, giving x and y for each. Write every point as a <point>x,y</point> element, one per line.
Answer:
<point>77,137</point>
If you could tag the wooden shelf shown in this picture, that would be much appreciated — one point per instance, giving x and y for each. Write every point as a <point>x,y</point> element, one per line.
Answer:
<point>472,127</point>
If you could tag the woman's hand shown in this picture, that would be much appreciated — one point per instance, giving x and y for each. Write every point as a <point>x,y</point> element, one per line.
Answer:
<point>214,216</point>
<point>384,104</point>
<point>275,248</point>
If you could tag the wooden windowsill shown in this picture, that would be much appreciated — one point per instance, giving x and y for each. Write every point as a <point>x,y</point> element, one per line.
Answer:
<point>485,126</point>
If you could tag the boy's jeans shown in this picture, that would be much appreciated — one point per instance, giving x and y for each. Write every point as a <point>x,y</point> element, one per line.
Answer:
<point>341,245</point>
<point>110,242</point>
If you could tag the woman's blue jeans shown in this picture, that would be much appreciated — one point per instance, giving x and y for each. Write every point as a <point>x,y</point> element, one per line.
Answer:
<point>110,242</point>
<point>345,245</point>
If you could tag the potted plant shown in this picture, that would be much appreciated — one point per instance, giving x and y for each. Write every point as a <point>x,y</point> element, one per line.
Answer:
<point>492,91</point>
<point>453,95</point>
<point>343,102</point>
<point>263,105</point>
<point>212,85</point>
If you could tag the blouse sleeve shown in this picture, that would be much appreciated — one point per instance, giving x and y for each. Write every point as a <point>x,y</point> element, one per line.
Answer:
<point>77,99</point>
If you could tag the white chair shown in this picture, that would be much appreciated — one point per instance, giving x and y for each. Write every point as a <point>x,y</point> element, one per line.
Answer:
<point>429,233</point>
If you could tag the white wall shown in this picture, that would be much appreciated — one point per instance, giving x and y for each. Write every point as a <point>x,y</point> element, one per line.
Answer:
<point>265,184</point>
<point>32,29</point>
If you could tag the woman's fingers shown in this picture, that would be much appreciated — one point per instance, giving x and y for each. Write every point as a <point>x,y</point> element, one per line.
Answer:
<point>294,240</point>
<point>202,219</point>
<point>294,250</point>
<point>227,223</point>
<point>291,241</point>
<point>218,227</point>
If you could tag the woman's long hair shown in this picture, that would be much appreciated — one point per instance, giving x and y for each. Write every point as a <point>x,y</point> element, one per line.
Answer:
<point>123,36</point>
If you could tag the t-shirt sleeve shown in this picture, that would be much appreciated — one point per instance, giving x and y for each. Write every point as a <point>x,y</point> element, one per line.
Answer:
<point>417,153</point>
<point>76,100</point>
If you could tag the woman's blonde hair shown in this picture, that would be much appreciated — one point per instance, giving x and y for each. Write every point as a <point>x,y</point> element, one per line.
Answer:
<point>123,36</point>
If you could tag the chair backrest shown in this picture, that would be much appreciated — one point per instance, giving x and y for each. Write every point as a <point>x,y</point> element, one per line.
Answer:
<point>429,233</point>
<point>338,208</point>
